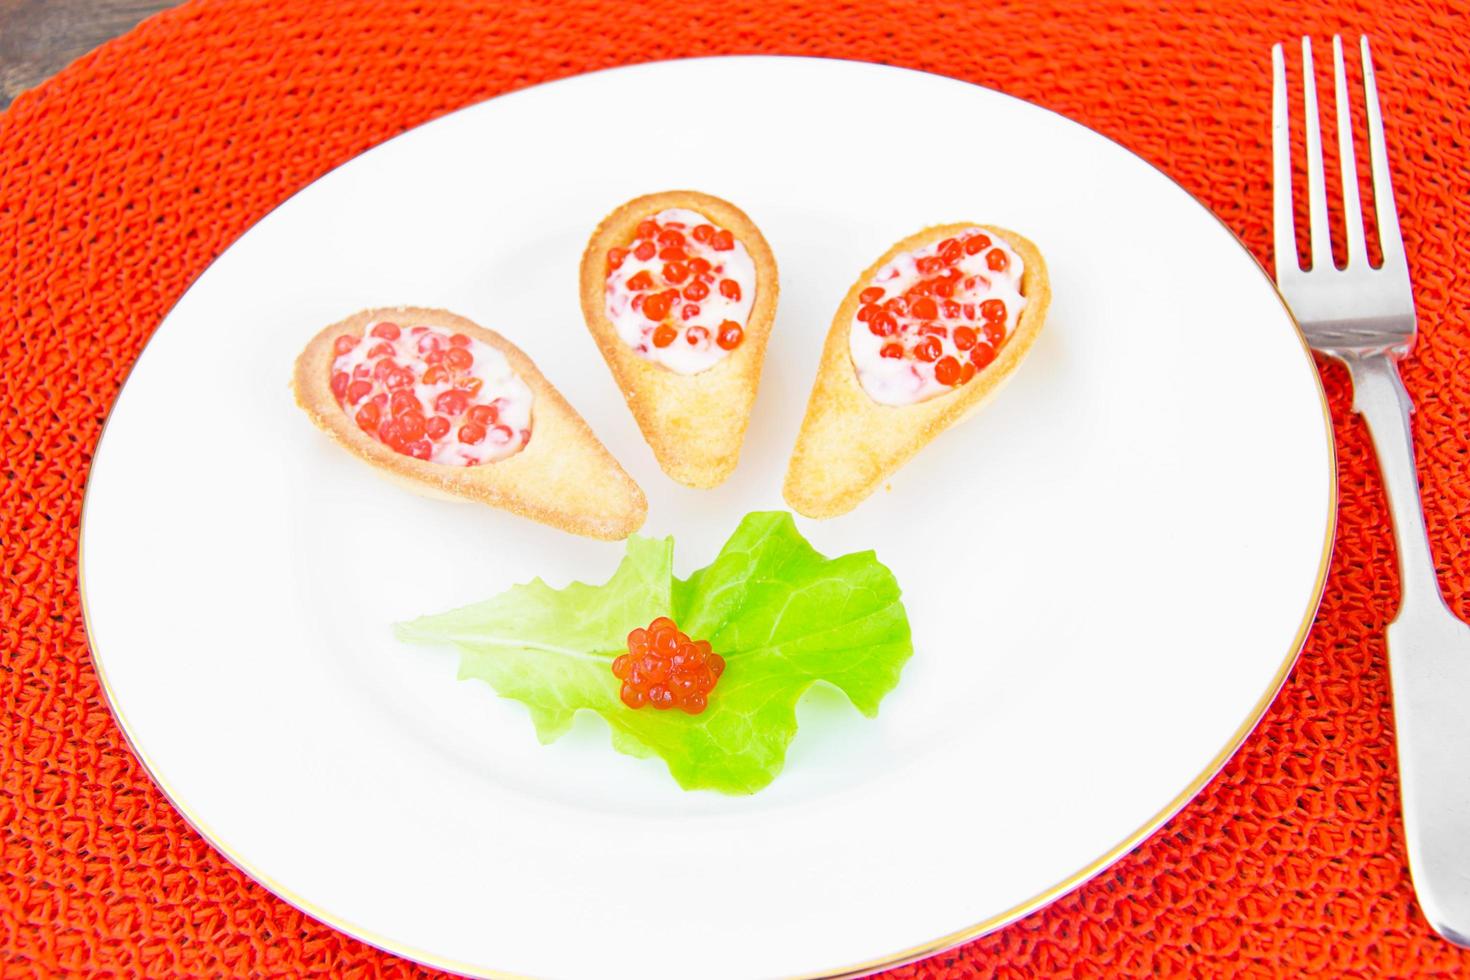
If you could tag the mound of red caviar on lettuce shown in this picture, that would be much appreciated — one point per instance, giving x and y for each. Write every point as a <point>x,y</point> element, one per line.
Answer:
<point>769,617</point>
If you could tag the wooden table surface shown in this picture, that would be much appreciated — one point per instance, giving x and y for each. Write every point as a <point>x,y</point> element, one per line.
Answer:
<point>40,37</point>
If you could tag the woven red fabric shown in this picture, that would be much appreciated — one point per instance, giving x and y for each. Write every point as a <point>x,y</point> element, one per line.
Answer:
<point>124,176</point>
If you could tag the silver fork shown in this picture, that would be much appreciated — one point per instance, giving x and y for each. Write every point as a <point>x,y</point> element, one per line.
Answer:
<point>1365,317</point>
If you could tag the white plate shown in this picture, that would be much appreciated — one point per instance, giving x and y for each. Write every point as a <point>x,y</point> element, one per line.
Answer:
<point>1108,571</point>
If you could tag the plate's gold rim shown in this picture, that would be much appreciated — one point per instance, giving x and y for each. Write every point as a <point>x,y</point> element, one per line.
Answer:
<point>942,943</point>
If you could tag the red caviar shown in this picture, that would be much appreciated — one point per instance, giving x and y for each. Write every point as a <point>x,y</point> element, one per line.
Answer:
<point>665,668</point>
<point>939,320</point>
<point>669,294</point>
<point>380,393</point>
<point>730,335</point>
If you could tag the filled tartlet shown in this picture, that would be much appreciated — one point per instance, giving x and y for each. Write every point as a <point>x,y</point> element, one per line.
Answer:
<point>679,290</point>
<point>921,339</point>
<point>454,410</point>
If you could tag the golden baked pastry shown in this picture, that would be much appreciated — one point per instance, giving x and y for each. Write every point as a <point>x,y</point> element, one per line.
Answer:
<point>454,410</point>
<point>925,335</point>
<point>679,291</point>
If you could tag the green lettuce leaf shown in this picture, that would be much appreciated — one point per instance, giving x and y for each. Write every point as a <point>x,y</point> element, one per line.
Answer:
<point>783,616</point>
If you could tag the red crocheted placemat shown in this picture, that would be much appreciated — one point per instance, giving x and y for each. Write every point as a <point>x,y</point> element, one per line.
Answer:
<point>123,177</point>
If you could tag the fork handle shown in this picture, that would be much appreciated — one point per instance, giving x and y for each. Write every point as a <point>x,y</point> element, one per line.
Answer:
<point>1429,665</point>
<point>1380,397</point>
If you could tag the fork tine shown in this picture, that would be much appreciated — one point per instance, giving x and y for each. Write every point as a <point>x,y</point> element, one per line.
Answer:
<point>1286,257</point>
<point>1321,234</point>
<point>1389,238</point>
<point>1352,206</point>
